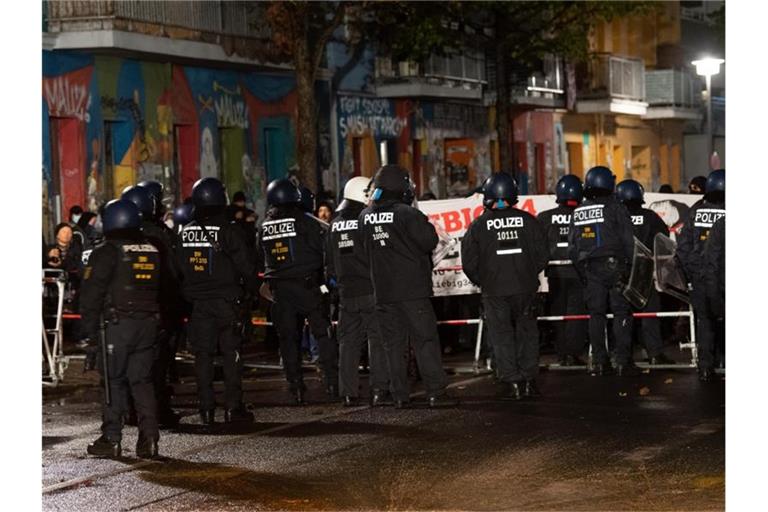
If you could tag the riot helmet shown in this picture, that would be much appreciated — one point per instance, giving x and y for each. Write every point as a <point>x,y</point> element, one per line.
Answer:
<point>630,193</point>
<point>715,187</point>
<point>209,192</point>
<point>307,199</point>
<point>569,188</point>
<point>282,192</point>
<point>393,182</point>
<point>356,190</point>
<point>142,198</point>
<point>600,181</point>
<point>183,214</point>
<point>121,214</point>
<point>155,189</point>
<point>499,190</point>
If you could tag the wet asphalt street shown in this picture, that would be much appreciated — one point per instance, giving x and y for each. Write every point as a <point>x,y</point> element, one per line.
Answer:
<point>654,442</point>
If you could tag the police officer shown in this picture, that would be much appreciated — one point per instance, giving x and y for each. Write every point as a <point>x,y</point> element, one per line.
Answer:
<point>170,309</point>
<point>503,252</point>
<point>218,270</point>
<point>566,293</point>
<point>291,247</point>
<point>121,286</point>
<point>714,263</point>
<point>647,224</point>
<point>347,266</point>
<point>690,250</point>
<point>601,246</point>
<point>398,240</point>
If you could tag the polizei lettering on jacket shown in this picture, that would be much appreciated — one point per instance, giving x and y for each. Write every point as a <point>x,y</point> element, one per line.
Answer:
<point>637,220</point>
<point>344,225</point>
<point>379,218</point>
<point>280,228</point>
<point>194,236</point>
<point>706,217</point>
<point>561,218</point>
<point>592,214</point>
<point>504,223</point>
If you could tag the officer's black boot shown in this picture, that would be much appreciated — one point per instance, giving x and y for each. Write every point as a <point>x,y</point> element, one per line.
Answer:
<point>208,417</point>
<point>627,370</point>
<point>380,398</point>
<point>530,389</point>
<point>238,414</point>
<point>103,447</point>
<point>570,360</point>
<point>442,401</point>
<point>600,369</point>
<point>168,419</point>
<point>511,391</point>
<point>146,448</point>
<point>350,401</point>
<point>705,374</point>
<point>299,393</point>
<point>660,359</point>
<point>332,390</point>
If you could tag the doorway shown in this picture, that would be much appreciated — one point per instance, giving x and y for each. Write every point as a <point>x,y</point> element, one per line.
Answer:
<point>68,162</point>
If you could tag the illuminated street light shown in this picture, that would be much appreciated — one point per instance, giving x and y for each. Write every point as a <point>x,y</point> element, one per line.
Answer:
<point>707,67</point>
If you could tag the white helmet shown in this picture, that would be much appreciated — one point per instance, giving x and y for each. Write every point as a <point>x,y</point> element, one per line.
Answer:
<point>356,189</point>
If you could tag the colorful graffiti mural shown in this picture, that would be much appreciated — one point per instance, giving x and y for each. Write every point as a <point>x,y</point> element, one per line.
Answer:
<point>451,141</point>
<point>109,122</point>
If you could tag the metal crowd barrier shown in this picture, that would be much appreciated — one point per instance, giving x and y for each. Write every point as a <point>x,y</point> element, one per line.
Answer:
<point>479,367</point>
<point>53,338</point>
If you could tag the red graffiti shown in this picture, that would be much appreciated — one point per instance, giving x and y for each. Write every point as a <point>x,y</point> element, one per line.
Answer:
<point>456,220</point>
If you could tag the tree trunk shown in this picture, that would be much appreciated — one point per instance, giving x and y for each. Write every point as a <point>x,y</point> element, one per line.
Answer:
<point>502,105</point>
<point>307,122</point>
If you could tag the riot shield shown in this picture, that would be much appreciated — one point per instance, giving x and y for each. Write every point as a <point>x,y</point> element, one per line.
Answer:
<point>638,289</point>
<point>670,278</point>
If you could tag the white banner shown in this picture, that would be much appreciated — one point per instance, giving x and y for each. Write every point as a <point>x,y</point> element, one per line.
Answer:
<point>452,217</point>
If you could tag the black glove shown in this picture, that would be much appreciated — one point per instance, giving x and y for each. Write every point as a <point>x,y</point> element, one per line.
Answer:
<point>91,353</point>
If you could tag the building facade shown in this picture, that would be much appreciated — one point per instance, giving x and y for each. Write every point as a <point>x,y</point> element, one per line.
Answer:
<point>129,95</point>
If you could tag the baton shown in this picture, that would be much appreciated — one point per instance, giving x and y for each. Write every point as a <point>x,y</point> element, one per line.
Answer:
<point>104,361</point>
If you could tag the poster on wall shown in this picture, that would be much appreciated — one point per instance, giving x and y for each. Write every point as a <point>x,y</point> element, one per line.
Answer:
<point>453,217</point>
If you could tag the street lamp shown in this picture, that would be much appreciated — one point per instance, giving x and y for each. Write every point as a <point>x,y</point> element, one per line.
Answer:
<point>707,67</point>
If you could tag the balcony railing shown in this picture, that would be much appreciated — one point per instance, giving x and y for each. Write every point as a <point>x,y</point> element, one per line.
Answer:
<point>671,87</point>
<point>229,18</point>
<point>546,82</point>
<point>453,71</point>
<point>615,77</point>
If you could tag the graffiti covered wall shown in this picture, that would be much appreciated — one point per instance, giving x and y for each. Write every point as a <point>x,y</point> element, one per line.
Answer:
<point>110,122</point>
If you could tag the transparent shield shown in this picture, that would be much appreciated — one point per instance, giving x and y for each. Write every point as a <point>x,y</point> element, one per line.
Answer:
<point>638,289</point>
<point>670,278</point>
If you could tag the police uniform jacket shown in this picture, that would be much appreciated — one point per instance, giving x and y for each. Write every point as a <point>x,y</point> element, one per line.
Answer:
<point>291,244</point>
<point>556,224</point>
<point>346,260</point>
<point>647,224</point>
<point>503,252</point>
<point>398,240</point>
<point>122,275</point>
<point>714,260</point>
<point>216,264</point>
<point>601,228</point>
<point>694,235</point>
